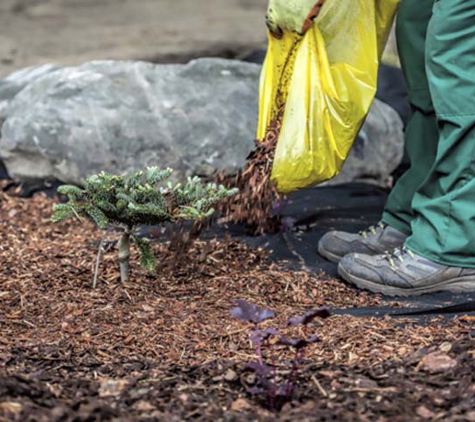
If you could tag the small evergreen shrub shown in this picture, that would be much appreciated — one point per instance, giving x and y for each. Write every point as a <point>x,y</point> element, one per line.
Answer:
<point>141,198</point>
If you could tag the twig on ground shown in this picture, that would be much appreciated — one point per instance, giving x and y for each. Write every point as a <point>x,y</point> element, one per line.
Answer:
<point>319,386</point>
<point>98,259</point>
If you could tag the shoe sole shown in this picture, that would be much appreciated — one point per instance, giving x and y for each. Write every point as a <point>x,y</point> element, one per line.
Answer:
<point>454,285</point>
<point>328,255</point>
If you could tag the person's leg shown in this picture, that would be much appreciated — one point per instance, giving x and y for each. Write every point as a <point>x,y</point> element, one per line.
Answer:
<point>444,208</point>
<point>420,143</point>
<point>421,134</point>
<point>440,253</point>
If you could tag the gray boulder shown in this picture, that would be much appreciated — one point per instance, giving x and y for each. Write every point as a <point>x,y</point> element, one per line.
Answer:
<point>377,150</point>
<point>14,83</point>
<point>123,116</point>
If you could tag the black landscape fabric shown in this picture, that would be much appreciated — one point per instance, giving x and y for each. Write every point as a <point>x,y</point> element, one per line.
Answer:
<point>310,213</point>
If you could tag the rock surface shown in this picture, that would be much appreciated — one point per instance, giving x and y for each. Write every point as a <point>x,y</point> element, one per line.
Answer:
<point>122,116</point>
<point>14,83</point>
<point>378,149</point>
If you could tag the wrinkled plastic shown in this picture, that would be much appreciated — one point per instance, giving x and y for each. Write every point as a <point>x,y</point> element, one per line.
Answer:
<point>327,81</point>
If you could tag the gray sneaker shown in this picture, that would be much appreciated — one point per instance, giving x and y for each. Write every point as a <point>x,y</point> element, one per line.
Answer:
<point>372,241</point>
<point>403,273</point>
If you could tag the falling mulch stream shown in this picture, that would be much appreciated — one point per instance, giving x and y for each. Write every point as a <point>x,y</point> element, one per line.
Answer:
<point>253,205</point>
<point>164,347</point>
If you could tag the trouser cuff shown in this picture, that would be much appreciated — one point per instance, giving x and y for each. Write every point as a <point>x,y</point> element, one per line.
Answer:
<point>395,223</point>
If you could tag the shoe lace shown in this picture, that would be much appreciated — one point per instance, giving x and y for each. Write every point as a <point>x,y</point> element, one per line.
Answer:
<point>373,229</point>
<point>397,254</point>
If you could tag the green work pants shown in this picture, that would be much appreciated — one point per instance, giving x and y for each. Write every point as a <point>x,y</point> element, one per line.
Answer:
<point>434,201</point>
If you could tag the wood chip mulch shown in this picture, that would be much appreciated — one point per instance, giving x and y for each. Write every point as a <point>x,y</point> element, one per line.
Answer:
<point>257,195</point>
<point>164,347</point>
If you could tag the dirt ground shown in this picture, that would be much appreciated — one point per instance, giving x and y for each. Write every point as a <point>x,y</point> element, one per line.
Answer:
<point>70,32</point>
<point>34,32</point>
<point>164,347</point>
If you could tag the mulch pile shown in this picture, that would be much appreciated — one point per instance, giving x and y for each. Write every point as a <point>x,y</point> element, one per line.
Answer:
<point>164,347</point>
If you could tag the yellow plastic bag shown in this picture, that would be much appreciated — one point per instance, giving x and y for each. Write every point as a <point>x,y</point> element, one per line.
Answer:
<point>327,81</point>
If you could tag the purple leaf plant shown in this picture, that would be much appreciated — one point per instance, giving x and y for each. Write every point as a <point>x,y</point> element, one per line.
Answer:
<point>267,384</point>
<point>247,312</point>
<point>309,316</point>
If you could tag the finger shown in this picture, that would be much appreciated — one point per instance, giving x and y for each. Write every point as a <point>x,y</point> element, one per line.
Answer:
<point>274,29</point>
<point>277,33</point>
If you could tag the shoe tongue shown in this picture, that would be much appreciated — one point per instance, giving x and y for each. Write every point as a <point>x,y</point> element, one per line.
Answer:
<point>378,230</point>
<point>375,229</point>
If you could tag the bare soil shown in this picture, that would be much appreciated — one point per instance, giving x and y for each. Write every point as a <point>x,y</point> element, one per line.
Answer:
<point>164,347</point>
<point>70,32</point>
